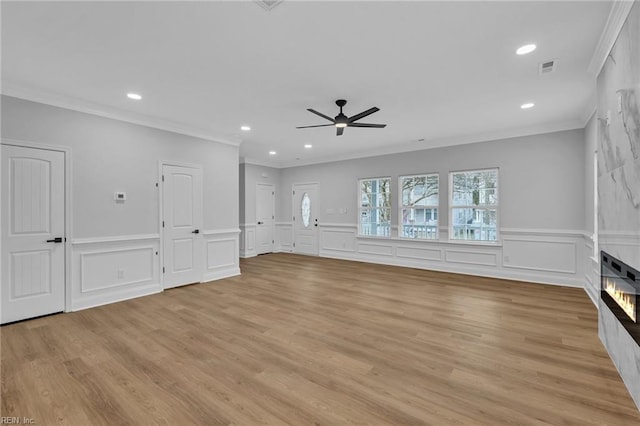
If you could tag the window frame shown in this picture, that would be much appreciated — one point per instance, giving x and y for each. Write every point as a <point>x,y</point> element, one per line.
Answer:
<point>495,207</point>
<point>401,207</point>
<point>360,209</point>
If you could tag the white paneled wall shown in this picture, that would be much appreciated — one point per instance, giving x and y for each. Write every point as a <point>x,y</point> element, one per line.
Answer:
<point>221,254</point>
<point>542,256</point>
<point>247,240</point>
<point>107,270</point>
<point>284,237</point>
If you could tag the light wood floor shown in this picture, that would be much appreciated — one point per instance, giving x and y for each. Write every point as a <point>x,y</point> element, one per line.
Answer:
<point>300,340</point>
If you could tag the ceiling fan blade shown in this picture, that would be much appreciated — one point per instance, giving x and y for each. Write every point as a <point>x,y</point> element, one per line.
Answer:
<point>339,131</point>
<point>319,125</point>
<point>321,115</point>
<point>363,114</point>
<point>375,126</point>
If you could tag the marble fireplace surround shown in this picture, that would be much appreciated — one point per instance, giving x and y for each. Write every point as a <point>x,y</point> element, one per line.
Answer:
<point>619,334</point>
<point>618,153</point>
<point>623,350</point>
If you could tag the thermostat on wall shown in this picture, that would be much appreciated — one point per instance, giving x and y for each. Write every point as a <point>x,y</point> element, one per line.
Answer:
<point>119,196</point>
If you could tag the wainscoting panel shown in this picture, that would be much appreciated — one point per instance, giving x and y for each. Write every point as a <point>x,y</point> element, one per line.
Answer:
<point>284,237</point>
<point>377,249</point>
<point>248,238</point>
<point>527,253</point>
<point>472,257</point>
<point>432,254</point>
<point>337,239</point>
<point>221,254</point>
<point>107,270</point>
<point>540,255</point>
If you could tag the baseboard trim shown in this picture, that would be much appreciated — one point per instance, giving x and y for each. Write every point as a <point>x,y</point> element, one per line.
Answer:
<point>95,301</point>
<point>222,273</point>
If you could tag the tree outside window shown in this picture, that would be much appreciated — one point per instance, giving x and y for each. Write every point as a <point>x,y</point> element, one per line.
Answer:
<point>474,205</point>
<point>375,207</point>
<point>419,206</point>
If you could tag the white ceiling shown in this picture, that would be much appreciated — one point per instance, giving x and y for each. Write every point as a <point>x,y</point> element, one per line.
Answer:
<point>445,72</point>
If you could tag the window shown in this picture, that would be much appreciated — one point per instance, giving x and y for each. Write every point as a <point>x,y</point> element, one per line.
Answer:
<point>419,206</point>
<point>305,209</point>
<point>374,208</point>
<point>474,205</point>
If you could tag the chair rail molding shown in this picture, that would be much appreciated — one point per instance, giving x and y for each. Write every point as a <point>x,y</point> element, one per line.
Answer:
<point>115,239</point>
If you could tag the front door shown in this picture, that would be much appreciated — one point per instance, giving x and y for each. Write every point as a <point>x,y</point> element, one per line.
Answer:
<point>305,218</point>
<point>265,215</point>
<point>181,223</point>
<point>33,232</point>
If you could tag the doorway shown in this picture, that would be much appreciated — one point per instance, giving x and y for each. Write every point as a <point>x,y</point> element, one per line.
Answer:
<point>182,245</point>
<point>306,209</point>
<point>33,249</point>
<point>265,218</point>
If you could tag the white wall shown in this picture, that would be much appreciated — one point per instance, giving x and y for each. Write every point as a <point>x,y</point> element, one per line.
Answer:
<point>110,155</point>
<point>542,199</point>
<point>541,179</point>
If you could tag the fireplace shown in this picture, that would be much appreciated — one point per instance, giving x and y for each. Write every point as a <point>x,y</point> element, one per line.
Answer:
<point>620,291</point>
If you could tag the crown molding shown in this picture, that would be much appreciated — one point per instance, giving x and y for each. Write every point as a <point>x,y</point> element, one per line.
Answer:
<point>444,142</point>
<point>80,105</point>
<point>255,162</point>
<point>617,16</point>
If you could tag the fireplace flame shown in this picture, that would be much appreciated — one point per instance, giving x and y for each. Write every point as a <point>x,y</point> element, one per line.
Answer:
<point>624,300</point>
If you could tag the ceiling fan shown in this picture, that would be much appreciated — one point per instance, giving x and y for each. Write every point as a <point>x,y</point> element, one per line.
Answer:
<point>341,121</point>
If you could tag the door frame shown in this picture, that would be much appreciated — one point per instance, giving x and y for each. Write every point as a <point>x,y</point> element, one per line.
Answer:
<point>159,186</point>
<point>273,213</point>
<point>67,207</point>
<point>293,209</point>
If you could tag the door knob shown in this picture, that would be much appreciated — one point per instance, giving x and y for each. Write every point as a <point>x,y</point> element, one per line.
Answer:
<point>197,231</point>
<point>260,223</point>
<point>55,240</point>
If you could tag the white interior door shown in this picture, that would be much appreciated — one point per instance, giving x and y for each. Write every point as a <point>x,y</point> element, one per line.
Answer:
<point>305,218</point>
<point>33,233</point>
<point>182,221</point>
<point>265,217</point>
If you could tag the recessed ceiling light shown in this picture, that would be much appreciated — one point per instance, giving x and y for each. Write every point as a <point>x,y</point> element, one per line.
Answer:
<point>134,96</point>
<point>245,128</point>
<point>527,48</point>
<point>272,153</point>
<point>308,145</point>
<point>527,105</point>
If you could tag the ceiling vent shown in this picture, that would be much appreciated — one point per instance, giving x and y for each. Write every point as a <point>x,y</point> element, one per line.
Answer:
<point>268,4</point>
<point>547,67</point>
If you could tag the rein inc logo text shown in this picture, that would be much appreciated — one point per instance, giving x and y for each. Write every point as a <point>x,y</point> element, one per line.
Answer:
<point>17,421</point>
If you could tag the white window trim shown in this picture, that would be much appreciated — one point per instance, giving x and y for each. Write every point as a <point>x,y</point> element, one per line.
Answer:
<point>495,207</point>
<point>359,208</point>
<point>401,206</point>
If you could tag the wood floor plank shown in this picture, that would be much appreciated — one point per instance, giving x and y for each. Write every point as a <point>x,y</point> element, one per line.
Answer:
<point>303,340</point>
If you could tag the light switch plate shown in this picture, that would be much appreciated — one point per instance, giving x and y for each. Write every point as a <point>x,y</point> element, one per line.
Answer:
<point>120,196</point>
